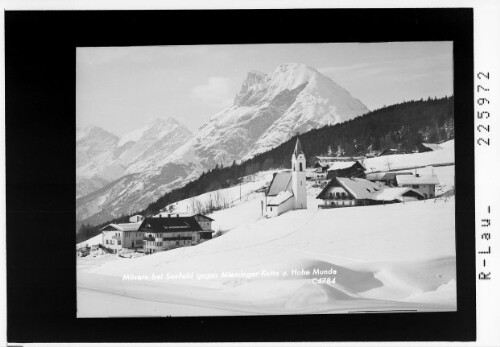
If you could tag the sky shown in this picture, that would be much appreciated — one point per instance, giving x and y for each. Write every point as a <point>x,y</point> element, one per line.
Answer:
<point>124,88</point>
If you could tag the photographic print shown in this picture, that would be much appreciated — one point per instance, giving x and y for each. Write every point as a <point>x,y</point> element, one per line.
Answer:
<point>265,179</point>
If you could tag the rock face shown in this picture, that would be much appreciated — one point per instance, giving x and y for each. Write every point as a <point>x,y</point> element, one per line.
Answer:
<point>268,110</point>
<point>271,108</point>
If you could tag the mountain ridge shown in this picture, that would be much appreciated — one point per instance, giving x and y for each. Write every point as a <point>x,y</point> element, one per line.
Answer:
<point>268,110</point>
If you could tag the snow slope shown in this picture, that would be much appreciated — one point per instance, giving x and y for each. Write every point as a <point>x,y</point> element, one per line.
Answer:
<point>405,161</point>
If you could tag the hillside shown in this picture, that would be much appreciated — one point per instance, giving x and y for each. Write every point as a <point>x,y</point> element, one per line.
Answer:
<point>267,266</point>
<point>403,261</point>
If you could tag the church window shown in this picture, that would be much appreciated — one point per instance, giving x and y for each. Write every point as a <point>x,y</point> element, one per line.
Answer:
<point>300,166</point>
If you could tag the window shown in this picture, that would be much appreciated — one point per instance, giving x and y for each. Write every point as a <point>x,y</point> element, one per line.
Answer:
<point>271,209</point>
<point>416,186</point>
<point>300,166</point>
<point>344,195</point>
<point>119,243</point>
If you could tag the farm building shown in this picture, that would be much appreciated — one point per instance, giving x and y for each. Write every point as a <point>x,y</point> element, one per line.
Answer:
<point>345,192</point>
<point>163,233</point>
<point>425,184</point>
<point>119,236</point>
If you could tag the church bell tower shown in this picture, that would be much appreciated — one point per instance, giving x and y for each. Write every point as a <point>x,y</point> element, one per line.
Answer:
<point>299,176</point>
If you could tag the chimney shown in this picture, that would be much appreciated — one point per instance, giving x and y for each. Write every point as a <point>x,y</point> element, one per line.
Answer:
<point>177,215</point>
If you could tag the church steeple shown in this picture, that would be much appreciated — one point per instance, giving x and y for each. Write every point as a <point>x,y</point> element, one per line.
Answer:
<point>298,148</point>
<point>299,176</point>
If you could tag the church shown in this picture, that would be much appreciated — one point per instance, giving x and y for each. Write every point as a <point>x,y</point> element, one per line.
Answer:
<point>288,190</point>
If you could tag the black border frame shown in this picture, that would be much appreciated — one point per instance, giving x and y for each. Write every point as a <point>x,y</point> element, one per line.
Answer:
<point>40,160</point>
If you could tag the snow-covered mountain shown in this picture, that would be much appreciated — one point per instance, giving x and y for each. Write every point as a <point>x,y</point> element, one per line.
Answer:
<point>268,110</point>
<point>102,157</point>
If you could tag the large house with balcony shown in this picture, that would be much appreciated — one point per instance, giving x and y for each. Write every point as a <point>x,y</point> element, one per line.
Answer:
<point>120,236</point>
<point>173,231</point>
<point>346,192</point>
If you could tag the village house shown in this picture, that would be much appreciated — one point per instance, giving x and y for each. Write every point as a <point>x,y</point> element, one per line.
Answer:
<point>329,160</point>
<point>136,219</point>
<point>120,236</point>
<point>425,184</point>
<point>388,178</point>
<point>288,190</point>
<point>204,221</point>
<point>173,231</point>
<point>345,192</point>
<point>317,173</point>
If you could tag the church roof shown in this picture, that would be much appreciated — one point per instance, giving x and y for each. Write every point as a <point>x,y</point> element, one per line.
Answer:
<point>298,148</point>
<point>280,198</point>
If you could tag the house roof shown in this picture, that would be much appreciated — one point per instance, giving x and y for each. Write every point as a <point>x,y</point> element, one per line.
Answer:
<point>433,146</point>
<point>298,148</point>
<point>170,224</point>
<point>122,227</point>
<point>339,165</point>
<point>203,216</point>
<point>280,198</point>
<point>281,182</point>
<point>359,188</point>
<point>335,159</point>
<point>397,193</point>
<point>420,179</point>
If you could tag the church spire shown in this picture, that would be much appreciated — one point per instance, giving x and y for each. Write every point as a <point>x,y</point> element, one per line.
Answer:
<point>298,148</point>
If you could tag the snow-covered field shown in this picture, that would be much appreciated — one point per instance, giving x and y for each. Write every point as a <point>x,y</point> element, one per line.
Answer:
<point>373,258</point>
<point>399,256</point>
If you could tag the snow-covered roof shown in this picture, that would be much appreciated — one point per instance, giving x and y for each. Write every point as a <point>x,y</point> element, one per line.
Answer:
<point>281,182</point>
<point>123,226</point>
<point>383,176</point>
<point>359,187</point>
<point>170,224</point>
<point>433,146</point>
<point>330,159</point>
<point>338,165</point>
<point>420,179</point>
<point>389,194</point>
<point>280,198</point>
